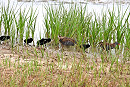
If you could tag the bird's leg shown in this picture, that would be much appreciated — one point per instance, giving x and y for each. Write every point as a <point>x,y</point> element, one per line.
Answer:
<point>61,47</point>
<point>25,44</point>
<point>45,45</point>
<point>33,43</point>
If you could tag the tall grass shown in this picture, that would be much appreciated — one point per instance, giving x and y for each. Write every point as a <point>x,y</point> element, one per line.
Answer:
<point>83,27</point>
<point>14,20</point>
<point>94,32</point>
<point>122,28</point>
<point>25,23</point>
<point>0,22</point>
<point>69,23</point>
<point>127,35</point>
<point>7,18</point>
<point>68,69</point>
<point>13,36</point>
<point>31,23</point>
<point>74,22</point>
<point>20,24</point>
<point>126,27</point>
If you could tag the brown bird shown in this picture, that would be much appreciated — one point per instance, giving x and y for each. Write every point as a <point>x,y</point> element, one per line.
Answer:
<point>108,46</point>
<point>71,42</point>
<point>66,41</point>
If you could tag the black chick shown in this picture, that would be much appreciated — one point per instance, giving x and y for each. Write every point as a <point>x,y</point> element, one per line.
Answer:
<point>29,40</point>
<point>3,38</point>
<point>43,41</point>
<point>85,46</point>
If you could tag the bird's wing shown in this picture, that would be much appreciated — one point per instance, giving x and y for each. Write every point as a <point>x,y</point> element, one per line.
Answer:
<point>68,43</point>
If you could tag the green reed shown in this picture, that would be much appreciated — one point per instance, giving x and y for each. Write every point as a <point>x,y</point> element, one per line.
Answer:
<point>52,25</point>
<point>0,22</point>
<point>12,36</point>
<point>126,27</point>
<point>83,27</point>
<point>127,34</point>
<point>94,32</point>
<point>81,70</point>
<point>31,23</point>
<point>7,16</point>
<point>64,22</point>
<point>21,24</point>
<point>121,28</point>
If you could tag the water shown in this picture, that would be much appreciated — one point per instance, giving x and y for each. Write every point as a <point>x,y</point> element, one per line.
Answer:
<point>97,6</point>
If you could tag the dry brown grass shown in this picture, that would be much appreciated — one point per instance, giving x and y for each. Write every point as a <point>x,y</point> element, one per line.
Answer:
<point>60,69</point>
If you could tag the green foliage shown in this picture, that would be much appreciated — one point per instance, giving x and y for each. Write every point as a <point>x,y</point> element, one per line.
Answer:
<point>64,22</point>
<point>20,24</point>
<point>36,67</point>
<point>31,23</point>
<point>76,24</point>
<point>7,18</point>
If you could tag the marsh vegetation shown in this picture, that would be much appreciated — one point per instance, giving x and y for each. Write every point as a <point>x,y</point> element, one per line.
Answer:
<point>22,65</point>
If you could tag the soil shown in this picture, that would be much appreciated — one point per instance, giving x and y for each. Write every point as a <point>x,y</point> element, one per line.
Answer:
<point>28,53</point>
